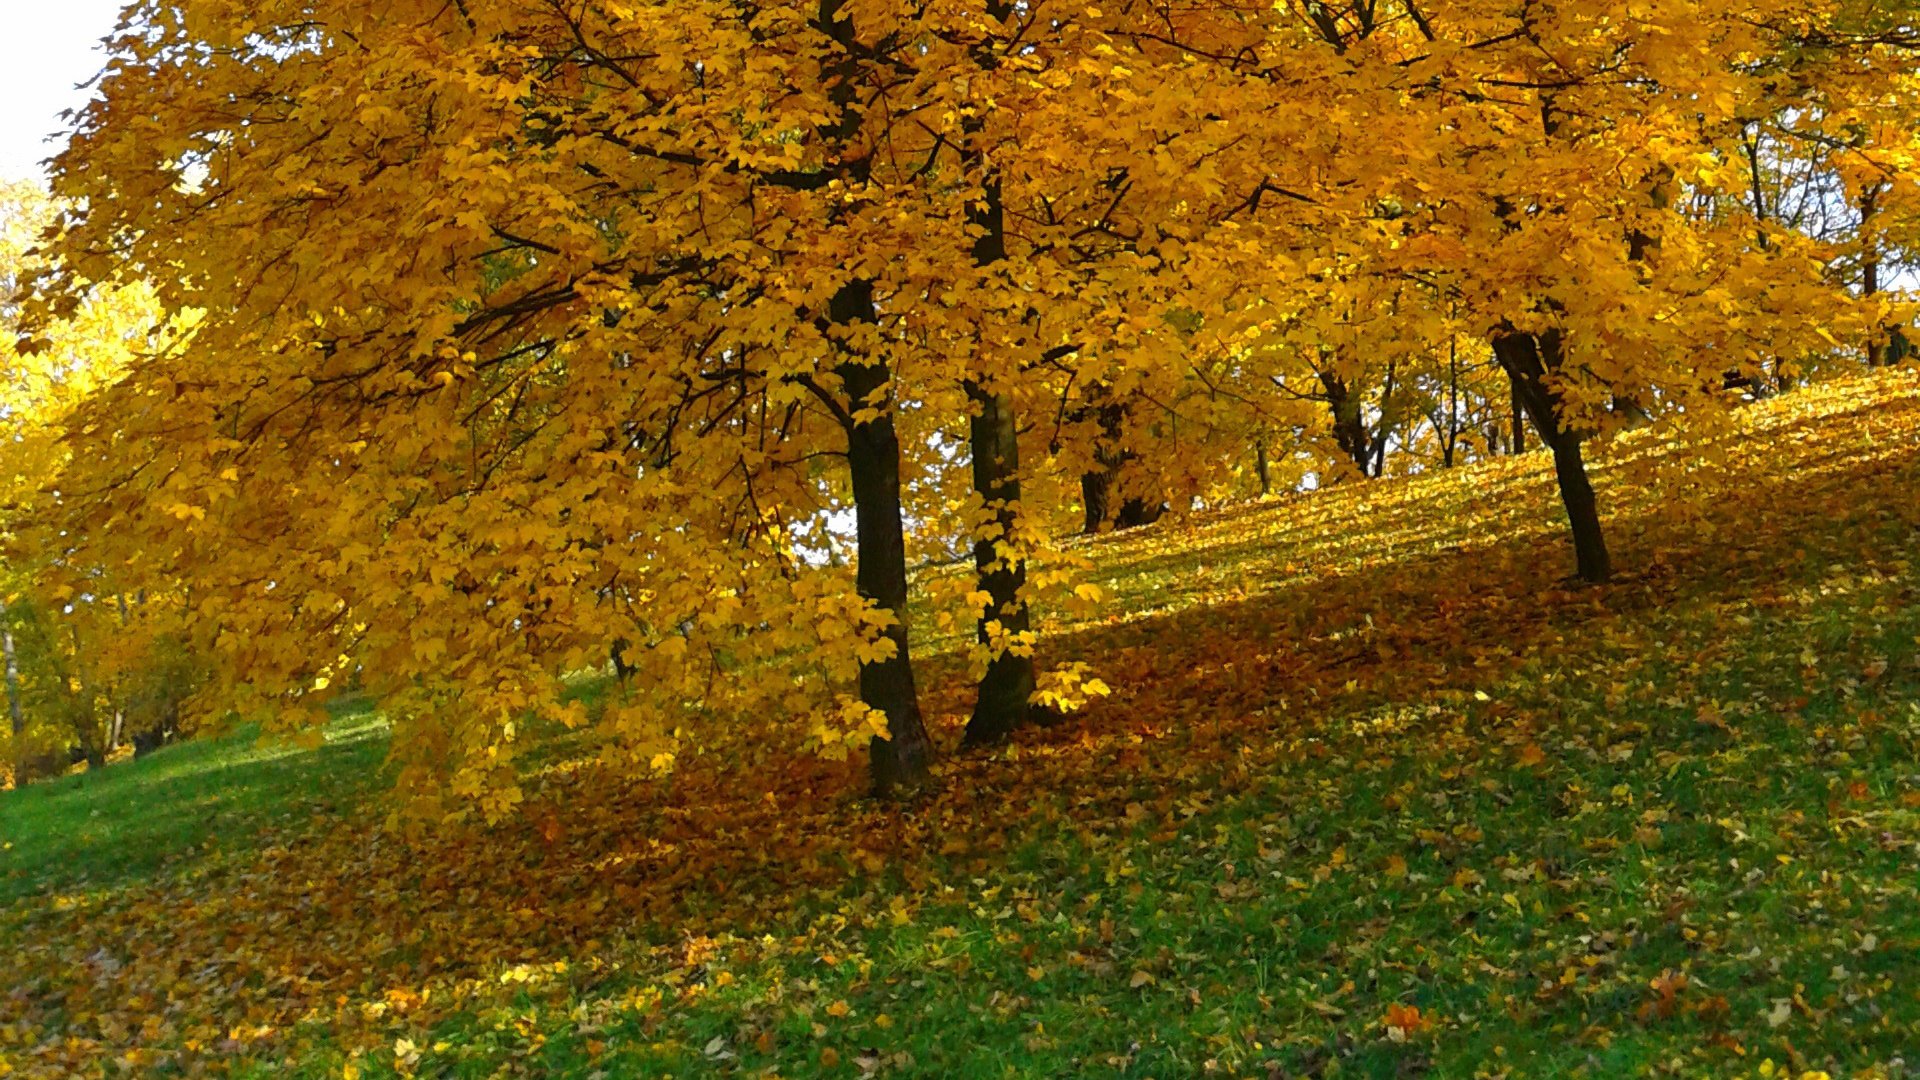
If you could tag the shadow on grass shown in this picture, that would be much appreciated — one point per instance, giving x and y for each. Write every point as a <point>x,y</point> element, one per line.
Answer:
<point>1208,699</point>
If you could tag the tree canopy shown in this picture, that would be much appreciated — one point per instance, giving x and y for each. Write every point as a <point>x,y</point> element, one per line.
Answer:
<point>510,338</point>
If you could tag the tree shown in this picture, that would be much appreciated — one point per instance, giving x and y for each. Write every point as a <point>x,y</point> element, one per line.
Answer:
<point>73,646</point>
<point>532,328</point>
<point>1542,172</point>
<point>550,331</point>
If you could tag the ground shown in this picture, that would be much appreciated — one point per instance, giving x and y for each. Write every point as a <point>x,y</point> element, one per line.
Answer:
<point>1377,793</point>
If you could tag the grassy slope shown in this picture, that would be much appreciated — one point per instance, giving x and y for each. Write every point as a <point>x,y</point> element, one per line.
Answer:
<point>1366,760</point>
<point>151,817</point>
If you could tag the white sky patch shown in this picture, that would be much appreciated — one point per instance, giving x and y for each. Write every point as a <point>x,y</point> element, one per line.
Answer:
<point>47,48</point>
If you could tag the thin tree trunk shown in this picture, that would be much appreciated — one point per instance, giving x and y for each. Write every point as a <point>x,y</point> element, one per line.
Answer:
<point>1380,437</point>
<point>901,761</point>
<point>117,729</point>
<point>16,713</point>
<point>1870,273</point>
<point>1261,469</point>
<point>1527,360</point>
<point>1583,511</point>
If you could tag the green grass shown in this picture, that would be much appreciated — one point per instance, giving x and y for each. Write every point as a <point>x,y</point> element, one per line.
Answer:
<point>1366,755</point>
<point>1266,929</point>
<point>181,804</point>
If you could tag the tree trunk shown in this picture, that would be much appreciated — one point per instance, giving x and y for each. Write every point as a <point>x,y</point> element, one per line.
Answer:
<point>1008,686</point>
<point>1349,427</point>
<point>993,431</point>
<point>1527,360</point>
<point>1095,485</point>
<point>1261,469</point>
<point>1138,513</point>
<point>1870,273</point>
<point>1381,437</point>
<point>901,761</point>
<point>16,713</point>
<point>116,730</point>
<point>1583,511</point>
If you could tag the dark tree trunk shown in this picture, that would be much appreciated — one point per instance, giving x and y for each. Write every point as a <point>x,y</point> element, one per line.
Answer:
<point>1095,485</point>
<point>1261,469</point>
<point>993,431</point>
<point>1349,427</point>
<point>1527,360</point>
<point>1382,436</point>
<point>1138,513</point>
<point>1870,273</point>
<point>1008,686</point>
<point>1898,347</point>
<point>1583,511</point>
<point>1096,495</point>
<point>901,761</point>
<point>1099,486</point>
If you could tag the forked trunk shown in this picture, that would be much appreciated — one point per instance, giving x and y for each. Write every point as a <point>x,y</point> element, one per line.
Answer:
<point>1527,360</point>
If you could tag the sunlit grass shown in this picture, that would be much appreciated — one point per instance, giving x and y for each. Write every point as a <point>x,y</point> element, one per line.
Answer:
<point>181,804</point>
<point>1369,756</point>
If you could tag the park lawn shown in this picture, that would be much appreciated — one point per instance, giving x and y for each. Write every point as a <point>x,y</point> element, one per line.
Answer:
<point>1376,794</point>
<point>151,816</point>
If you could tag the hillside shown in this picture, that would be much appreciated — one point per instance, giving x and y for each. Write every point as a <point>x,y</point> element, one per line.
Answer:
<point>1376,793</point>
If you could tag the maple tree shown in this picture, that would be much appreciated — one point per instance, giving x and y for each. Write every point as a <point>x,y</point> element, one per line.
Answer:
<point>559,330</point>
<point>1557,182</point>
<point>581,395</point>
<point>391,369</point>
<point>1342,730</point>
<point>588,420</point>
<point>91,655</point>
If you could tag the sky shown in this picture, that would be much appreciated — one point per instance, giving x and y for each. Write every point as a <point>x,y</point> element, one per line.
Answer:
<point>46,48</point>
